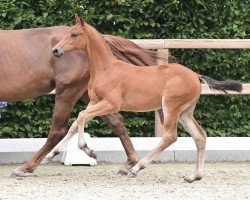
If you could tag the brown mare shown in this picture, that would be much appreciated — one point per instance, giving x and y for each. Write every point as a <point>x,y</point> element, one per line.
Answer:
<point>29,69</point>
<point>116,85</point>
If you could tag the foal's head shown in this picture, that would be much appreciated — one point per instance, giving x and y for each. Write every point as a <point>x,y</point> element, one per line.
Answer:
<point>76,39</point>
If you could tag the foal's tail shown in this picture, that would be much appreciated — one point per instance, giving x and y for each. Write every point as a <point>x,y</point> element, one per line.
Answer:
<point>230,85</point>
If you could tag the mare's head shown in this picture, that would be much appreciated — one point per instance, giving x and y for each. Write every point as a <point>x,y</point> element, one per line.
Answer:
<point>75,39</point>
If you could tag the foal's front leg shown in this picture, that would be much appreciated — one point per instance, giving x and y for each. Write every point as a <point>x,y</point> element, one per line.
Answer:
<point>101,108</point>
<point>117,125</point>
<point>60,146</point>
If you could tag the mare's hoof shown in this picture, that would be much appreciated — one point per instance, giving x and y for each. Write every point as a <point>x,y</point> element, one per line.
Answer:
<point>122,172</point>
<point>16,174</point>
<point>20,174</point>
<point>131,175</point>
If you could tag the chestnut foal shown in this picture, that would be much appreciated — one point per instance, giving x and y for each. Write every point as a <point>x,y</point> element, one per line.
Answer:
<point>115,85</point>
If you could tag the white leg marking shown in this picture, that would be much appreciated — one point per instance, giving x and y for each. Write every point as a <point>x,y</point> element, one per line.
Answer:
<point>188,122</point>
<point>164,107</point>
<point>61,145</point>
<point>81,121</point>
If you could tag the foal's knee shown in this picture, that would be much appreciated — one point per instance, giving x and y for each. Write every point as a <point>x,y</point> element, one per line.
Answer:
<point>81,118</point>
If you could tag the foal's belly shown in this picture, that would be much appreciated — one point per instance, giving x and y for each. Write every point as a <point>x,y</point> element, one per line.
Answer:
<point>141,101</point>
<point>142,91</point>
<point>139,108</point>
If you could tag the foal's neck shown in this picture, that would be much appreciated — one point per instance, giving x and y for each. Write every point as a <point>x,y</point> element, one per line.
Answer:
<point>100,57</point>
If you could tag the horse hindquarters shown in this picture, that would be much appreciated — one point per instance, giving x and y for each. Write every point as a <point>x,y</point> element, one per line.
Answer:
<point>169,136</point>
<point>179,94</point>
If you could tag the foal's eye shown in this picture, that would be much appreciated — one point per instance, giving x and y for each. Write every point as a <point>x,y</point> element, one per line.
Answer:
<point>73,35</point>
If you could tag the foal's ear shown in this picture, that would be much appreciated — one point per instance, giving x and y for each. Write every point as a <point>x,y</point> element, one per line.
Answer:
<point>79,20</point>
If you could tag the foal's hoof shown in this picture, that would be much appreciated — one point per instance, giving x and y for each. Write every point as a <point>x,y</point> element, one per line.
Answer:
<point>46,160</point>
<point>131,175</point>
<point>50,156</point>
<point>92,154</point>
<point>192,178</point>
<point>122,172</point>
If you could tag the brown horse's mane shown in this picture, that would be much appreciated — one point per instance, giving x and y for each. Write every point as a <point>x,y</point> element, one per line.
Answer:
<point>129,52</point>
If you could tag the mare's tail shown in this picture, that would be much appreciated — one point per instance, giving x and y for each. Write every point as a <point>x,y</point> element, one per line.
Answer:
<point>228,85</point>
<point>127,51</point>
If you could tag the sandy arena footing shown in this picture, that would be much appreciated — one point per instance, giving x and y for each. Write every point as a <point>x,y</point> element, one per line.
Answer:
<point>157,181</point>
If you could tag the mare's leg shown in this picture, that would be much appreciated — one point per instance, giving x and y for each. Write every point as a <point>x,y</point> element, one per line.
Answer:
<point>171,112</point>
<point>116,123</point>
<point>199,135</point>
<point>60,146</point>
<point>65,100</point>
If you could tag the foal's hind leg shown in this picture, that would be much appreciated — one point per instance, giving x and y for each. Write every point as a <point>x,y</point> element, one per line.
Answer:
<point>169,136</point>
<point>199,135</point>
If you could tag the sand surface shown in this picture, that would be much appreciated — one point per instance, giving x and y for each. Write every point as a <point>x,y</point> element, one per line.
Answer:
<point>157,181</point>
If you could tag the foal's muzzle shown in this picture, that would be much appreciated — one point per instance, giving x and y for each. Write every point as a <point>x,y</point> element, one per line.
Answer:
<point>57,53</point>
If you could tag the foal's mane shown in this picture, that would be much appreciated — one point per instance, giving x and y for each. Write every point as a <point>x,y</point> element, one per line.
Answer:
<point>129,52</point>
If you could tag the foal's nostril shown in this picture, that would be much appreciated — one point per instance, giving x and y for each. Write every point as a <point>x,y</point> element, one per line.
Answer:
<point>57,53</point>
